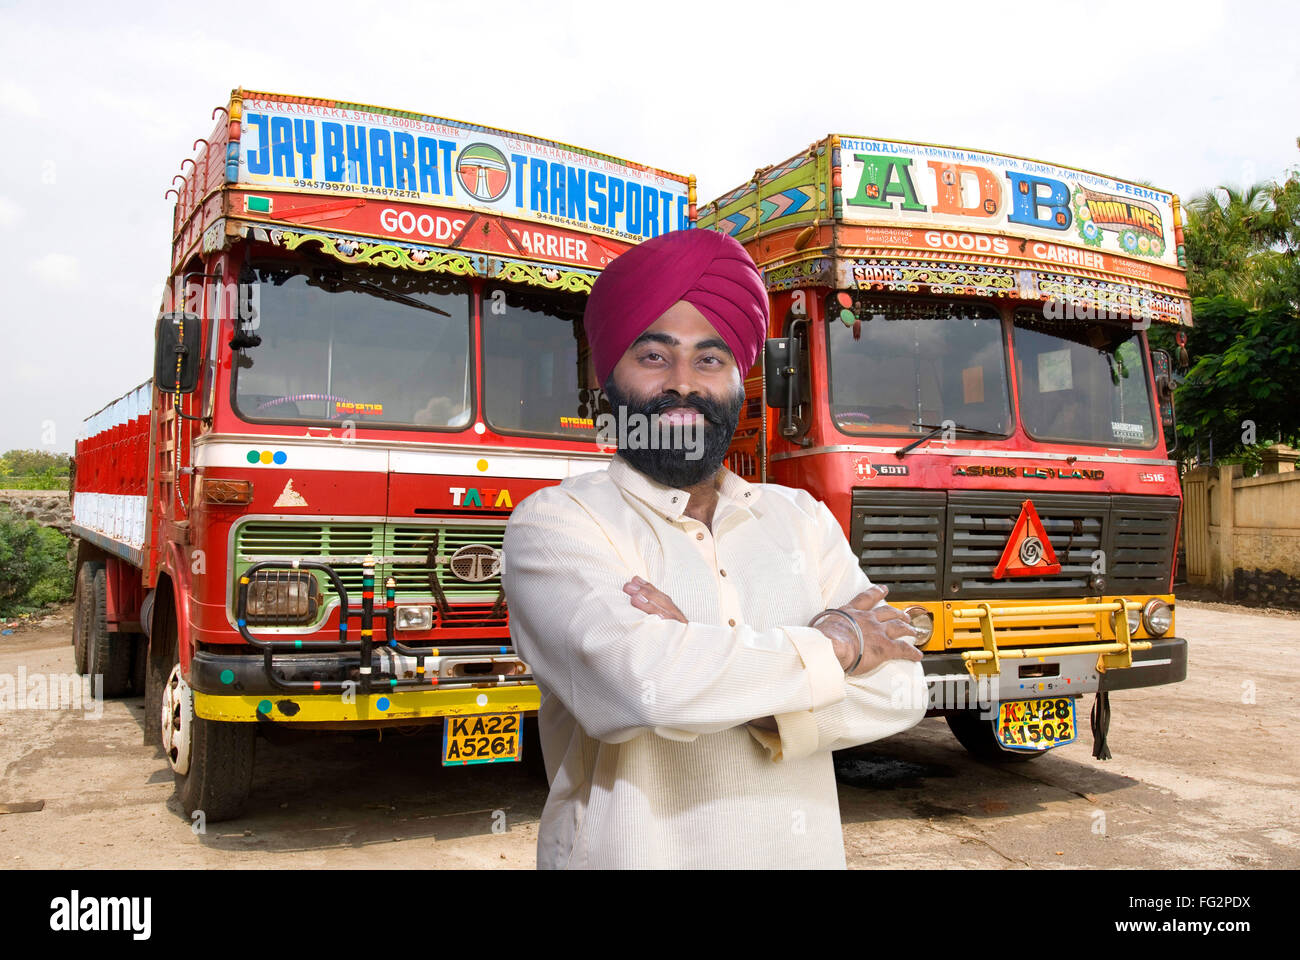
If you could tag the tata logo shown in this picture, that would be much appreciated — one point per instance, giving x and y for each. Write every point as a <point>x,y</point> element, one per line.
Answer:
<point>483,171</point>
<point>485,498</point>
<point>475,563</point>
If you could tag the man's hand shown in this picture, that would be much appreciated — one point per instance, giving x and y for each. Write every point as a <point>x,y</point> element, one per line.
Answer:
<point>886,633</point>
<point>649,599</point>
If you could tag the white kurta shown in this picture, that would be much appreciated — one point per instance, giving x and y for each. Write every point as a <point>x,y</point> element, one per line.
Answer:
<point>644,722</point>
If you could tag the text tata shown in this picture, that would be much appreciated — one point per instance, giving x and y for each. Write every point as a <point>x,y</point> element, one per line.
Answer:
<point>480,497</point>
<point>1036,201</point>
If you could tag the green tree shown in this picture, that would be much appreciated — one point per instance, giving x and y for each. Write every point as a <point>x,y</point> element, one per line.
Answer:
<point>1243,272</point>
<point>34,470</point>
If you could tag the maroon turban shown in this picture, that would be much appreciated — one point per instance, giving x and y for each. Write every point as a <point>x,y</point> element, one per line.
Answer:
<point>709,270</point>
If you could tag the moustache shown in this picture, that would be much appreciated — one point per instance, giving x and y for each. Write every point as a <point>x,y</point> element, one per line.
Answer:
<point>711,410</point>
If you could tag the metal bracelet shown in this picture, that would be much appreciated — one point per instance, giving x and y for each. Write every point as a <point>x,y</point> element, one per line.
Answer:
<point>857,632</point>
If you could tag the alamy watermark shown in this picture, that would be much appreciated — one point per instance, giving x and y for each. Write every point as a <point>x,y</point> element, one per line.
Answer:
<point>53,691</point>
<point>237,301</point>
<point>637,431</point>
<point>1130,309</point>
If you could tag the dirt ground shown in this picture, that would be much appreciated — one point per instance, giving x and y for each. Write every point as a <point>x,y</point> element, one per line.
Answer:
<point>1205,775</point>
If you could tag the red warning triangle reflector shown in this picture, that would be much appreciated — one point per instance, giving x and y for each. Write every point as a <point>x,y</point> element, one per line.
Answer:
<point>1028,552</point>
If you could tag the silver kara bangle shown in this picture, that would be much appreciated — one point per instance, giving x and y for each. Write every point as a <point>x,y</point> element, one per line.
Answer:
<point>857,632</point>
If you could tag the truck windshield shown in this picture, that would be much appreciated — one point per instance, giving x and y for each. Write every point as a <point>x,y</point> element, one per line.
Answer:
<point>535,360</point>
<point>1082,382</point>
<point>908,366</point>
<point>365,347</point>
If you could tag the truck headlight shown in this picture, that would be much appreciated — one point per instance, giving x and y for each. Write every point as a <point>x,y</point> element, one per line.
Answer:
<point>922,623</point>
<point>1134,618</point>
<point>414,617</point>
<point>1158,617</point>
<point>282,598</point>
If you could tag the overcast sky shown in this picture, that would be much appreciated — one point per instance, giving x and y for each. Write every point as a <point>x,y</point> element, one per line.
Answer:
<point>99,103</point>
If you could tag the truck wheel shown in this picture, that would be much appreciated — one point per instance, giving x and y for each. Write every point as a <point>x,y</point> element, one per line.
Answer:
<point>107,654</point>
<point>212,762</point>
<point>81,612</point>
<point>980,739</point>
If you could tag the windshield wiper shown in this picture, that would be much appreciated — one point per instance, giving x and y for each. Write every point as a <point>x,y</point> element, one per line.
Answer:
<point>901,452</point>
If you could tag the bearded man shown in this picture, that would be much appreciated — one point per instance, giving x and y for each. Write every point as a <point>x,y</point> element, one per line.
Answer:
<point>688,713</point>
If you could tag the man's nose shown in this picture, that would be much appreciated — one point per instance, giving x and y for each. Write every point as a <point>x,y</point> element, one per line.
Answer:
<point>681,378</point>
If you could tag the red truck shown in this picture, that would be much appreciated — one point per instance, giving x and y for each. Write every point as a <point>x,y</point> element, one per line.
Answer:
<point>370,350</point>
<point>959,367</point>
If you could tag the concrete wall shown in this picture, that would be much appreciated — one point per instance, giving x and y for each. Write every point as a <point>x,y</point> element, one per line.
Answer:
<point>1251,549</point>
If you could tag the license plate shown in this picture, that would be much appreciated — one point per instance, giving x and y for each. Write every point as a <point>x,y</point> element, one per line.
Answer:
<point>1036,724</point>
<point>482,738</point>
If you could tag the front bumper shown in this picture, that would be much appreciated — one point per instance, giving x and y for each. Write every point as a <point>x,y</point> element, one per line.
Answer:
<point>237,689</point>
<point>952,687</point>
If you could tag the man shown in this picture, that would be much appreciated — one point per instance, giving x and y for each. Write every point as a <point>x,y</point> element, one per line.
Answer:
<point>687,715</point>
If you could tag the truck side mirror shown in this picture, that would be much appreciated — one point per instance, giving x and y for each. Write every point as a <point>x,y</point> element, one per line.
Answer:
<point>176,353</point>
<point>780,366</point>
<point>781,358</point>
<point>1162,367</point>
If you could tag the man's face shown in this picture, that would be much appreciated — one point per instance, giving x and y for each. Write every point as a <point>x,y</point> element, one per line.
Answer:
<point>682,371</point>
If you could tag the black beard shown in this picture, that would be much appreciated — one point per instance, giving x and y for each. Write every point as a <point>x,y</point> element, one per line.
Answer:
<point>670,467</point>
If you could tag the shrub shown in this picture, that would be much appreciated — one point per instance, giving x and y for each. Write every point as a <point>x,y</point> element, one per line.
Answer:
<point>34,567</point>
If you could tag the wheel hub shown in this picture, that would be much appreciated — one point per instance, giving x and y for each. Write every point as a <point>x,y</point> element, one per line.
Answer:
<point>177,720</point>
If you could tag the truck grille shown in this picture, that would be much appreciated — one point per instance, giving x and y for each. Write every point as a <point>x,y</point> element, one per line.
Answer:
<point>933,545</point>
<point>980,524</point>
<point>901,542</point>
<point>349,543</point>
<point>1143,542</point>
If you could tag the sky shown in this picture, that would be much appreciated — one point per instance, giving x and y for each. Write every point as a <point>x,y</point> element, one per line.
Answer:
<point>100,103</point>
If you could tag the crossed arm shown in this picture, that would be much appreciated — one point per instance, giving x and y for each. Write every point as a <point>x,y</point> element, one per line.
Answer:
<point>622,672</point>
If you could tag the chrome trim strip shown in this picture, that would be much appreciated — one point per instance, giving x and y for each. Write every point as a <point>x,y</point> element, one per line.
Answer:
<point>953,452</point>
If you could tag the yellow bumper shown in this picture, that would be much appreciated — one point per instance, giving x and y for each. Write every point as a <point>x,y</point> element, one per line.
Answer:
<point>367,708</point>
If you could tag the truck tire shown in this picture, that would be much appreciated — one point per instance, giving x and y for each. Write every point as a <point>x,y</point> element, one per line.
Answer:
<point>211,761</point>
<point>980,739</point>
<point>107,654</point>
<point>81,613</point>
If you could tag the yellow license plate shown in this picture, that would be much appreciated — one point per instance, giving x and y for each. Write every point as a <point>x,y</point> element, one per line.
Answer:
<point>1036,724</point>
<point>482,738</point>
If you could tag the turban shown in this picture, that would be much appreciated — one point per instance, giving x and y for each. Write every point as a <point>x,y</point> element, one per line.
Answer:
<point>709,270</point>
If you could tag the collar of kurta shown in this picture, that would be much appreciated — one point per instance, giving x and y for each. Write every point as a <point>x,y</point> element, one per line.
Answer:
<point>670,502</point>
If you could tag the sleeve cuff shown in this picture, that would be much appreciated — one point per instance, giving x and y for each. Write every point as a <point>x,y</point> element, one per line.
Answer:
<point>825,675</point>
<point>797,736</point>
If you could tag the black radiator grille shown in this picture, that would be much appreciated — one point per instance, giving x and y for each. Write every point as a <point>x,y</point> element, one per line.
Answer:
<point>900,540</point>
<point>934,544</point>
<point>1142,543</point>
<point>981,523</point>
